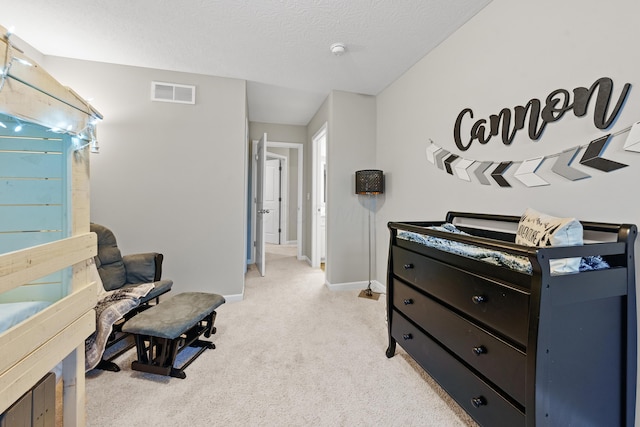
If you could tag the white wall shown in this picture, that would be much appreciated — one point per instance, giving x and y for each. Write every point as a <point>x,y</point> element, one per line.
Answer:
<point>169,177</point>
<point>510,52</point>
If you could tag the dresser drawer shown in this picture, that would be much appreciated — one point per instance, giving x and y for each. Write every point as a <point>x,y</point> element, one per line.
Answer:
<point>501,308</point>
<point>481,401</point>
<point>501,363</point>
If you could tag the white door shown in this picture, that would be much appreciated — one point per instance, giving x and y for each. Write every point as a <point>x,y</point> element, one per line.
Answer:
<point>319,198</point>
<point>322,203</point>
<point>272,202</point>
<point>261,157</point>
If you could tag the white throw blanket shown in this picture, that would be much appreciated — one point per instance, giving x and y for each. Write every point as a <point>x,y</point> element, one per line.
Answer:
<point>111,307</point>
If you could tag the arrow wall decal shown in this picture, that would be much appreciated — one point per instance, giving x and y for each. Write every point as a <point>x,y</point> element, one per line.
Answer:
<point>562,168</point>
<point>632,142</point>
<point>461,169</point>
<point>527,170</point>
<point>440,155</point>
<point>447,163</point>
<point>479,173</point>
<point>592,156</point>
<point>431,150</point>
<point>526,173</point>
<point>497,174</point>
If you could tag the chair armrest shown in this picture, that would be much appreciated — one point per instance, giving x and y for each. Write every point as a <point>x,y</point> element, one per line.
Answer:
<point>143,268</point>
<point>160,287</point>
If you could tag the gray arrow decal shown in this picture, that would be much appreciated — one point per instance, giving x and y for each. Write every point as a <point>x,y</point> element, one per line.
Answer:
<point>562,168</point>
<point>592,156</point>
<point>440,155</point>
<point>479,173</point>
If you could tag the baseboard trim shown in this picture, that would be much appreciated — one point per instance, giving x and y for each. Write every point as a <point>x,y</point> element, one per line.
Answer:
<point>352,286</point>
<point>234,298</point>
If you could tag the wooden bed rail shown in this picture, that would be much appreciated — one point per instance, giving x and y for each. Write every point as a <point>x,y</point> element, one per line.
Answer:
<point>20,267</point>
<point>34,346</point>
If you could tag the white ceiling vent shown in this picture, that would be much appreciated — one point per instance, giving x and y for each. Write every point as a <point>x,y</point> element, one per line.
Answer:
<point>173,92</point>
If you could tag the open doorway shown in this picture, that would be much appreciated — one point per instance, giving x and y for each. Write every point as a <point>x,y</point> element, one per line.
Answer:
<point>291,206</point>
<point>319,199</point>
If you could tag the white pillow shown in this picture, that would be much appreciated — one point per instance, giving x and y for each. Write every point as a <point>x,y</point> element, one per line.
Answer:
<point>538,229</point>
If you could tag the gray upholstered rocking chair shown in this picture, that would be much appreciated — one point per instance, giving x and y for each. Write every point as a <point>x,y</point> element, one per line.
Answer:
<point>117,272</point>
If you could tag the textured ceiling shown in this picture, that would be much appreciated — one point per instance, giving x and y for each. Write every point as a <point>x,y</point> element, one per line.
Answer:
<point>281,47</point>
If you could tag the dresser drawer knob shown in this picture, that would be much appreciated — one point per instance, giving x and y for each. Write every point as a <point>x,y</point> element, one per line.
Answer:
<point>478,299</point>
<point>408,266</point>
<point>480,350</point>
<point>408,301</point>
<point>478,401</point>
<point>407,337</point>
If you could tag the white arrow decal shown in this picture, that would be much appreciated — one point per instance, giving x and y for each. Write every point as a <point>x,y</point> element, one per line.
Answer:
<point>431,150</point>
<point>526,173</point>
<point>633,140</point>
<point>461,169</point>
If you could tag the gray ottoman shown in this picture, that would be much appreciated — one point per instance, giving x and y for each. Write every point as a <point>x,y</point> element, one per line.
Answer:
<point>164,330</point>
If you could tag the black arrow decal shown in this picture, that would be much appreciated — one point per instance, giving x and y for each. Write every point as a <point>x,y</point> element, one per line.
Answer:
<point>497,174</point>
<point>447,163</point>
<point>592,156</point>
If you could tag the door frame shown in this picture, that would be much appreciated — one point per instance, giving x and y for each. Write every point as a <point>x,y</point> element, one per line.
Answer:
<point>300,204</point>
<point>259,244</point>
<point>315,241</point>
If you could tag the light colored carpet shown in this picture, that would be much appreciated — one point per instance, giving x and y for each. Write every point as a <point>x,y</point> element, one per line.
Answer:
<point>292,353</point>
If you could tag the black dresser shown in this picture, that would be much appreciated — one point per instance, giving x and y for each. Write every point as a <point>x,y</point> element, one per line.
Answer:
<point>516,349</point>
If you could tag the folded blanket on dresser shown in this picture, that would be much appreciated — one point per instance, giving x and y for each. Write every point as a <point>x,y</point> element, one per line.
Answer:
<point>503,259</point>
<point>111,307</point>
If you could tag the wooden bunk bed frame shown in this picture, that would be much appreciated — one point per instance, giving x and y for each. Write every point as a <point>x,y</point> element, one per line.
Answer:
<point>35,346</point>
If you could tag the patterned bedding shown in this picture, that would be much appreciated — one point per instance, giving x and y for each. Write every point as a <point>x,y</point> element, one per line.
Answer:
<point>503,259</point>
<point>111,307</point>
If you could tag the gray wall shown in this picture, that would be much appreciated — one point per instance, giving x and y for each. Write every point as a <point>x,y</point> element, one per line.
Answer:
<point>319,119</point>
<point>169,177</point>
<point>279,133</point>
<point>505,67</point>
<point>351,142</point>
<point>351,147</point>
<point>507,54</point>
